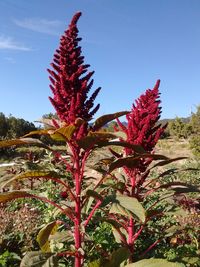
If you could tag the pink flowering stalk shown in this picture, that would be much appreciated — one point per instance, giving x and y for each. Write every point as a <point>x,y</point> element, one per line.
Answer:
<point>142,129</point>
<point>70,84</point>
<point>70,79</point>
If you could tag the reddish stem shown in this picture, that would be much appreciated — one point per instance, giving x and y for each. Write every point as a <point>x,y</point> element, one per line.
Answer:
<point>137,233</point>
<point>92,212</point>
<point>77,221</point>
<point>130,240</point>
<point>150,247</point>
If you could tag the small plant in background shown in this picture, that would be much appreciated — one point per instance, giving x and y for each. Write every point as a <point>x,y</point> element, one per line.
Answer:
<point>78,201</point>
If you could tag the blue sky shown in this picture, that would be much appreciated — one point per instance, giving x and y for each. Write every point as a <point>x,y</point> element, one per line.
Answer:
<point>130,44</point>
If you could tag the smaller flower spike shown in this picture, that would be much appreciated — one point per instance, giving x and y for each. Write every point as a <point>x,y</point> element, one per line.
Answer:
<point>143,128</point>
<point>70,79</point>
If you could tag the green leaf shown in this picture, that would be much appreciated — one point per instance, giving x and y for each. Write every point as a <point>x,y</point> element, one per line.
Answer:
<point>180,187</point>
<point>37,132</point>
<point>117,208</point>
<point>39,259</point>
<point>94,194</point>
<point>21,141</point>
<point>108,199</point>
<point>118,236</point>
<point>128,206</point>
<point>66,132</point>
<point>43,236</point>
<point>94,138</point>
<point>133,161</point>
<point>31,174</point>
<point>136,148</point>
<point>118,230</point>
<point>155,263</point>
<point>4,197</point>
<point>88,205</point>
<point>103,120</point>
<point>117,257</point>
<point>128,162</point>
<point>61,237</point>
<point>167,161</point>
<point>96,263</point>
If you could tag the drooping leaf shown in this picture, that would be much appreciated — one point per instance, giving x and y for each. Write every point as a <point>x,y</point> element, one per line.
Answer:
<point>108,199</point>
<point>121,162</point>
<point>8,196</point>
<point>137,148</point>
<point>31,174</point>
<point>94,138</point>
<point>117,208</point>
<point>61,237</point>
<point>180,187</point>
<point>167,161</point>
<point>37,132</point>
<point>57,136</point>
<point>43,236</point>
<point>133,161</point>
<point>128,206</point>
<point>155,263</point>
<point>175,170</point>
<point>117,257</point>
<point>94,194</point>
<point>39,259</point>
<point>22,141</point>
<point>103,120</point>
<point>67,132</point>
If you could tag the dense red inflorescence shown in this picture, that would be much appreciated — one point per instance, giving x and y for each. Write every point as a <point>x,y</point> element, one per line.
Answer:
<point>70,79</point>
<point>142,122</point>
<point>143,128</point>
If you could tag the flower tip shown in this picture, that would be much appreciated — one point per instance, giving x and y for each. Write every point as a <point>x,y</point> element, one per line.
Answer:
<point>158,81</point>
<point>76,17</point>
<point>78,13</point>
<point>157,84</point>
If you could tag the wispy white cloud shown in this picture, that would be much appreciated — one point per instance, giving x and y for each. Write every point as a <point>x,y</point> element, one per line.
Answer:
<point>10,44</point>
<point>40,25</point>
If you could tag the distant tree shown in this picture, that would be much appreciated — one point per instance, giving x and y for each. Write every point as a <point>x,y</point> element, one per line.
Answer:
<point>195,138</point>
<point>18,127</point>
<point>11,127</point>
<point>50,116</point>
<point>3,125</point>
<point>179,129</point>
<point>195,121</point>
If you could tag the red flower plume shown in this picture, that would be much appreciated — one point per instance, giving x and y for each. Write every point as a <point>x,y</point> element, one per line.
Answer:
<point>70,79</point>
<point>143,128</point>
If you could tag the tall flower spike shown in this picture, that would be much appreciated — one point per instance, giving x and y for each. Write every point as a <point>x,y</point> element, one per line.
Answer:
<point>69,85</point>
<point>143,128</point>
